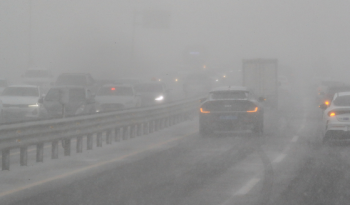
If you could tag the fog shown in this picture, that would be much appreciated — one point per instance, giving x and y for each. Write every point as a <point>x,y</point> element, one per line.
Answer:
<point>95,36</point>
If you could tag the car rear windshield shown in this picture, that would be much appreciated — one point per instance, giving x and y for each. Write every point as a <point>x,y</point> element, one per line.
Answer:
<point>229,95</point>
<point>115,91</point>
<point>142,88</point>
<point>21,91</point>
<point>79,80</point>
<point>342,100</point>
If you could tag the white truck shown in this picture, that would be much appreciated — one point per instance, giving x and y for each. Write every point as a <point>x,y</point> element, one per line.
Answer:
<point>261,77</point>
<point>39,77</point>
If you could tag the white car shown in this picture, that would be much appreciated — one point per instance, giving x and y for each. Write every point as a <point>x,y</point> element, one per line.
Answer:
<point>20,102</point>
<point>336,118</point>
<point>117,97</point>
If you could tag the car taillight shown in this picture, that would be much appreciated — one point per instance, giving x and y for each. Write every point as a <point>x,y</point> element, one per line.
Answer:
<point>331,114</point>
<point>204,111</point>
<point>255,110</point>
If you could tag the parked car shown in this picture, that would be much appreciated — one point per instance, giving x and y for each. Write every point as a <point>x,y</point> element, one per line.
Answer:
<point>63,101</point>
<point>153,93</point>
<point>20,102</point>
<point>117,97</point>
<point>230,109</point>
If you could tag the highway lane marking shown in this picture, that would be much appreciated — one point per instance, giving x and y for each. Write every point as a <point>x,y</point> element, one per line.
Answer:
<point>248,186</point>
<point>91,166</point>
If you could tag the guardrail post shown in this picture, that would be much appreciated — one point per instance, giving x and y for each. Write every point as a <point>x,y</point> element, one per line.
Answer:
<point>146,128</point>
<point>156,125</point>
<point>23,156</point>
<point>40,152</point>
<point>80,144</point>
<point>99,139</point>
<point>89,141</point>
<point>126,134</point>
<point>133,131</point>
<point>118,133</point>
<point>109,137</point>
<point>54,150</point>
<point>5,159</point>
<point>151,126</point>
<point>66,147</point>
<point>139,129</point>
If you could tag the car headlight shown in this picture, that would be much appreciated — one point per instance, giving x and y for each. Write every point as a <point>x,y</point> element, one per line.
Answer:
<point>160,98</point>
<point>34,105</point>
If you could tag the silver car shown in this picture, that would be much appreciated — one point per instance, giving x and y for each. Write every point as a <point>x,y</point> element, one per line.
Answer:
<point>20,102</point>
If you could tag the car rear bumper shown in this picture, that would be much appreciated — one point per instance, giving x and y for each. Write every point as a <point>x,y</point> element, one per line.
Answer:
<point>229,122</point>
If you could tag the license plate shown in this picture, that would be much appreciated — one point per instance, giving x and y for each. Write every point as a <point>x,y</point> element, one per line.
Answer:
<point>228,117</point>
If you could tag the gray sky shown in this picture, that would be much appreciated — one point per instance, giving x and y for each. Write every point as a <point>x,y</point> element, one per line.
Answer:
<point>96,36</point>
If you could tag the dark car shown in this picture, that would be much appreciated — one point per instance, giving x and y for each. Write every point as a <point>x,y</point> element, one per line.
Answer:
<point>230,109</point>
<point>153,93</point>
<point>65,101</point>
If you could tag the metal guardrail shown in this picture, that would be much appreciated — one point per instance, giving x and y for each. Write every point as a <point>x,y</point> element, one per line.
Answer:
<point>117,126</point>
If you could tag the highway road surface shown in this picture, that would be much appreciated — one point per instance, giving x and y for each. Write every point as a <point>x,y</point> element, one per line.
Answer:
<point>286,165</point>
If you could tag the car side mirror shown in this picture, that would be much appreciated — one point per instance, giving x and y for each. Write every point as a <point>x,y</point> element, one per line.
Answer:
<point>261,99</point>
<point>323,106</point>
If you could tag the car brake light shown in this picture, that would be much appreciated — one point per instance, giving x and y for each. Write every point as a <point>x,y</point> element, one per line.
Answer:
<point>255,110</point>
<point>204,111</point>
<point>112,88</point>
<point>331,114</point>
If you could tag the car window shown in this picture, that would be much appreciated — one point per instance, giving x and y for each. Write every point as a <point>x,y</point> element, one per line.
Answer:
<point>115,91</point>
<point>53,95</point>
<point>77,95</point>
<point>21,91</point>
<point>342,100</point>
<point>229,95</point>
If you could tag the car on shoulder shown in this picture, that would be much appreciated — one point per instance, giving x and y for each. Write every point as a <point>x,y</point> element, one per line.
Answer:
<point>117,97</point>
<point>230,109</point>
<point>336,118</point>
<point>20,102</point>
<point>63,101</point>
